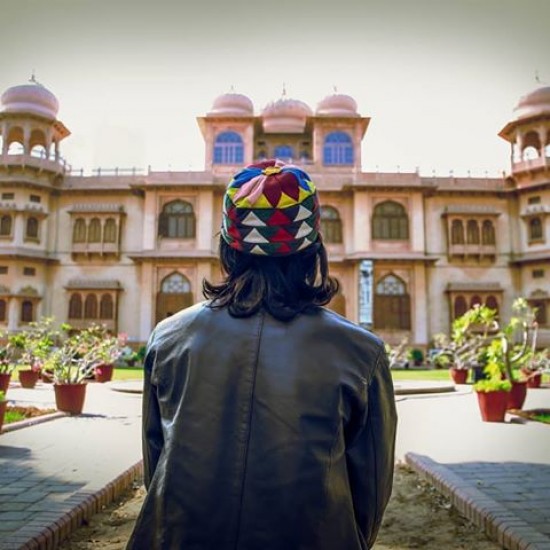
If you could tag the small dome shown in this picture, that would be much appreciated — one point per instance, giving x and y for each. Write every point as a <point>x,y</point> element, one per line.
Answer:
<point>285,115</point>
<point>232,104</point>
<point>30,98</point>
<point>337,105</point>
<point>534,103</point>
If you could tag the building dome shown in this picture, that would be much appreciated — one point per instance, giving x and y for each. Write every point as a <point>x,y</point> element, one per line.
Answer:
<point>30,98</point>
<point>534,103</point>
<point>337,105</point>
<point>285,115</point>
<point>232,104</point>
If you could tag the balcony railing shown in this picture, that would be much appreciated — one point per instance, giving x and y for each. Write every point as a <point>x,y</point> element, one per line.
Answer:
<point>36,160</point>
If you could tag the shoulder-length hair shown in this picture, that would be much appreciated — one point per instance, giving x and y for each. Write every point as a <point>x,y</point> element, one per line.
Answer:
<point>284,286</point>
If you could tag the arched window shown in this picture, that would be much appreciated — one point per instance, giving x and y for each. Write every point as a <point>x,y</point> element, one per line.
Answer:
<point>106,307</point>
<point>3,311</point>
<point>331,225</point>
<point>283,152</point>
<point>75,306</point>
<point>391,304</point>
<point>39,151</point>
<point>228,148</point>
<point>390,221</point>
<point>27,311</point>
<point>492,303</point>
<point>531,146</point>
<point>94,231</point>
<point>16,148</point>
<point>535,229</point>
<point>32,228</point>
<point>472,232</point>
<point>79,231</point>
<point>475,300</point>
<point>541,314</point>
<point>457,232</point>
<point>109,231</point>
<point>176,283</point>
<point>177,220</point>
<point>488,233</point>
<point>90,307</point>
<point>5,226</point>
<point>337,149</point>
<point>460,307</point>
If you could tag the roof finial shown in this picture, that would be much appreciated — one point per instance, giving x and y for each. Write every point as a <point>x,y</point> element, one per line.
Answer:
<point>33,78</point>
<point>537,77</point>
<point>232,89</point>
<point>335,89</point>
<point>284,90</point>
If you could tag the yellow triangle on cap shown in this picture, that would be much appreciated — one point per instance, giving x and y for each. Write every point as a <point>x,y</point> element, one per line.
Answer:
<point>304,195</point>
<point>285,201</point>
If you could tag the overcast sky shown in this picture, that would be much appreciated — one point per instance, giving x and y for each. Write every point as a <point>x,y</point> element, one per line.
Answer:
<point>439,78</point>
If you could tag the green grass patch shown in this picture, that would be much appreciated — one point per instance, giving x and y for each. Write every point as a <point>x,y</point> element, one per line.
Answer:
<point>13,416</point>
<point>437,375</point>
<point>128,373</point>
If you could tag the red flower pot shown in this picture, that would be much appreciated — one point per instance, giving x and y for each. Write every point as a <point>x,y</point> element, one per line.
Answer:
<point>70,397</point>
<point>3,405</point>
<point>4,381</point>
<point>103,373</point>
<point>534,380</point>
<point>492,405</point>
<point>28,378</point>
<point>516,397</point>
<point>459,376</point>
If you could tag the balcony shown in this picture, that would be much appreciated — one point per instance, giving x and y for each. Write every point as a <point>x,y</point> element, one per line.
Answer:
<point>473,250</point>
<point>40,163</point>
<point>100,249</point>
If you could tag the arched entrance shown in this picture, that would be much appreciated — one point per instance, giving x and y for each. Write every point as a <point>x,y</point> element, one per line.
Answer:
<point>175,294</point>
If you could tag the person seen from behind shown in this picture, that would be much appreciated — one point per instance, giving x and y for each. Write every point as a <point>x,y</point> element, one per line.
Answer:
<point>269,421</point>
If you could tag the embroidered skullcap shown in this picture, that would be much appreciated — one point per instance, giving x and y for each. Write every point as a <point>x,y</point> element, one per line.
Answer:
<point>271,209</point>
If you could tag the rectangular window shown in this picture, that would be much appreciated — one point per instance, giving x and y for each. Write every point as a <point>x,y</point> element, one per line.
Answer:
<point>3,269</point>
<point>533,200</point>
<point>30,271</point>
<point>8,196</point>
<point>538,273</point>
<point>35,198</point>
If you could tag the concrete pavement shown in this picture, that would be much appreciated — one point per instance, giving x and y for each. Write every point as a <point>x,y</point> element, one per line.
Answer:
<point>55,474</point>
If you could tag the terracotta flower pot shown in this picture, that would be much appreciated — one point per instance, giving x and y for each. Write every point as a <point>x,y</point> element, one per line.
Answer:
<point>534,380</point>
<point>28,377</point>
<point>70,397</point>
<point>492,405</point>
<point>103,373</point>
<point>516,397</point>
<point>459,376</point>
<point>4,381</point>
<point>3,405</point>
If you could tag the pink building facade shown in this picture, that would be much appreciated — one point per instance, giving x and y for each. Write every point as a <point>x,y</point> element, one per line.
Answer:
<point>128,249</point>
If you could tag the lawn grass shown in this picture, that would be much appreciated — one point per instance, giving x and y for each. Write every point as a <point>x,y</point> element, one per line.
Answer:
<point>421,374</point>
<point>128,373</point>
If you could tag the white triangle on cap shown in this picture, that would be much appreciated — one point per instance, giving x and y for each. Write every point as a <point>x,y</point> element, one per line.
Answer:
<point>253,220</point>
<point>303,213</point>
<point>258,250</point>
<point>255,237</point>
<point>305,244</point>
<point>304,231</point>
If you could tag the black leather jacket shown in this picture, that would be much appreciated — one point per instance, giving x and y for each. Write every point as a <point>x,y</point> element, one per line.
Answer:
<point>264,435</point>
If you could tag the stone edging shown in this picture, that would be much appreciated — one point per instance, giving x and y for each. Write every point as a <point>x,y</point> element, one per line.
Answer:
<point>497,521</point>
<point>81,506</point>
<point>32,421</point>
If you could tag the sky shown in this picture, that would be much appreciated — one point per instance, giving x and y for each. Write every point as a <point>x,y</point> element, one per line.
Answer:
<point>439,78</point>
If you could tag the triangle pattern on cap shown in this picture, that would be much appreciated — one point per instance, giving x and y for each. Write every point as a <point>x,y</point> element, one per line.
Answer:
<point>255,237</point>
<point>252,220</point>
<point>304,231</point>
<point>303,214</point>
<point>258,250</point>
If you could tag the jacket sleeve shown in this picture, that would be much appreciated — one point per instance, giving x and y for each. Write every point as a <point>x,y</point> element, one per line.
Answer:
<point>370,459</point>
<point>152,436</point>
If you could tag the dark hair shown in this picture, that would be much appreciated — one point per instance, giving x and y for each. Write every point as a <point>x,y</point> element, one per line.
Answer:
<point>284,286</point>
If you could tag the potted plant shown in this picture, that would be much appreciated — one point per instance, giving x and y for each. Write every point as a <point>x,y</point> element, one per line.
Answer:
<point>470,335</point>
<point>396,354</point>
<point>6,368</point>
<point>3,404</point>
<point>110,351</point>
<point>71,364</point>
<point>416,356</point>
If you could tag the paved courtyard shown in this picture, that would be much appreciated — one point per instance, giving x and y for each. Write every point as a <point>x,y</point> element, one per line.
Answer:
<point>54,474</point>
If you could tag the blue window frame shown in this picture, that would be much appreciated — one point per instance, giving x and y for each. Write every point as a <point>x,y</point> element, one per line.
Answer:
<point>228,148</point>
<point>283,152</point>
<point>338,149</point>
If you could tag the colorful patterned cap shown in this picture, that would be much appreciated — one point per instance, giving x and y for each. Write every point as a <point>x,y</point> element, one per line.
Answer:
<point>271,209</point>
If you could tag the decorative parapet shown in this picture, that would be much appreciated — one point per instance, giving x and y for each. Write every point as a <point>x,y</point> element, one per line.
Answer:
<point>471,210</point>
<point>535,210</point>
<point>97,208</point>
<point>474,287</point>
<point>93,284</point>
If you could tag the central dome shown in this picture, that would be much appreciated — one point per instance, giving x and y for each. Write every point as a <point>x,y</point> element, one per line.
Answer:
<point>337,105</point>
<point>232,104</point>
<point>30,98</point>
<point>285,116</point>
<point>534,103</point>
